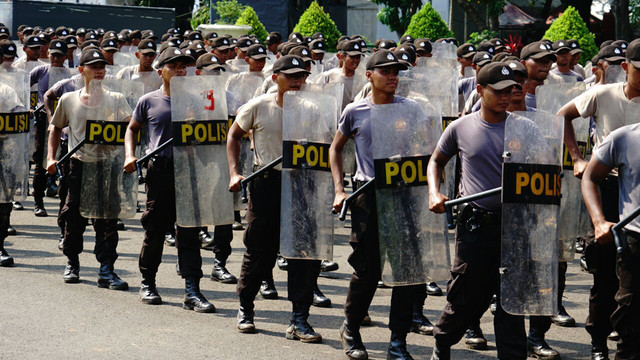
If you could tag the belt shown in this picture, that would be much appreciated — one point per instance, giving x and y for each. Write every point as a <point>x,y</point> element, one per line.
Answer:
<point>474,218</point>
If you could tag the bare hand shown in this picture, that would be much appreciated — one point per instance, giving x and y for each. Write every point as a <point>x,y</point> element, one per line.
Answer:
<point>234,183</point>
<point>51,167</point>
<point>436,202</point>
<point>579,167</point>
<point>603,232</point>
<point>130,164</point>
<point>338,201</point>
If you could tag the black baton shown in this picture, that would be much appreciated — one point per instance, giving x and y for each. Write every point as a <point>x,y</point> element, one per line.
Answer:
<point>248,179</point>
<point>349,200</point>
<point>621,242</point>
<point>67,156</point>
<point>143,160</point>
<point>448,205</point>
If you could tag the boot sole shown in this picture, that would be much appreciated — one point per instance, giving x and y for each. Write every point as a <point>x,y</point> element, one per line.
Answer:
<point>235,281</point>
<point>414,330</point>
<point>291,336</point>
<point>541,357</point>
<point>269,297</point>
<point>71,281</point>
<point>112,287</point>
<point>198,310</point>
<point>7,263</point>
<point>155,301</point>
<point>251,330</point>
<point>476,346</point>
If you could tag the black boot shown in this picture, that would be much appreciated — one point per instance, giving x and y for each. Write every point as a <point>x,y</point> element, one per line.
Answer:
<point>206,240</point>
<point>193,299</point>
<point>441,353</point>
<point>433,289</point>
<point>72,271</point>
<point>283,264</point>
<point>109,279</point>
<point>268,290</point>
<point>221,274</point>
<point>563,318</point>
<point>300,328</point>
<point>148,292</point>
<point>420,324</point>
<point>5,259</point>
<point>39,210</point>
<point>245,317</point>
<point>352,343</point>
<point>398,347</point>
<point>319,299</point>
<point>474,338</point>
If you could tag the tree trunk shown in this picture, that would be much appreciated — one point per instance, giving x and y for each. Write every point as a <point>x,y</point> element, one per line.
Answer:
<point>472,12</point>
<point>623,27</point>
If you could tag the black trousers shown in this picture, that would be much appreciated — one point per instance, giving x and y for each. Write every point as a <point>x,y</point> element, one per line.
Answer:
<point>160,211</point>
<point>365,260</point>
<point>222,237</point>
<point>75,224</point>
<point>474,281</point>
<point>5,214</point>
<point>626,318</point>
<point>39,172</point>
<point>602,302</point>
<point>539,325</point>
<point>63,187</point>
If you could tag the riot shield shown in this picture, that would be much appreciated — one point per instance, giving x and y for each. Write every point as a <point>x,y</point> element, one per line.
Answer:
<point>413,243</point>
<point>14,136</point>
<point>530,212</point>
<point>573,212</point>
<point>150,80</point>
<point>444,50</point>
<point>113,70</point>
<point>614,74</point>
<point>125,59</point>
<point>105,191</point>
<point>58,74</point>
<point>199,114</point>
<point>132,90</point>
<point>306,229</point>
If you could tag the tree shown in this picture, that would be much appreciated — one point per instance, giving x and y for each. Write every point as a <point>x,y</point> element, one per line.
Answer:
<point>315,19</point>
<point>427,23</point>
<point>397,14</point>
<point>570,26</point>
<point>492,9</point>
<point>228,11</point>
<point>249,17</point>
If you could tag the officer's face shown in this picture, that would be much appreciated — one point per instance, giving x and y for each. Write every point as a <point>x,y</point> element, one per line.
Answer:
<point>538,69</point>
<point>351,62</point>
<point>108,55</point>
<point>223,55</point>
<point>633,75</point>
<point>288,82</point>
<point>93,71</point>
<point>517,93</point>
<point>317,56</point>
<point>146,60</point>
<point>384,79</point>
<point>57,60</point>
<point>176,68</point>
<point>563,58</point>
<point>422,53</point>
<point>44,50</point>
<point>464,62</point>
<point>575,58</point>
<point>495,100</point>
<point>255,64</point>
<point>33,53</point>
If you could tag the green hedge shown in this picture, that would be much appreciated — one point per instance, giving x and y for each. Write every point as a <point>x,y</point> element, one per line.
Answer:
<point>571,26</point>
<point>427,23</point>
<point>314,20</point>
<point>249,17</point>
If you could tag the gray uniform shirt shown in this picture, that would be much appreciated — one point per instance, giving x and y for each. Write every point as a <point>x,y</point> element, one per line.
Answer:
<point>621,149</point>
<point>480,145</point>
<point>355,121</point>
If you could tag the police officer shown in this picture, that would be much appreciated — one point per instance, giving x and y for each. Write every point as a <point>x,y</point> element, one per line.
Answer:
<point>154,109</point>
<point>272,41</point>
<point>537,58</point>
<point>382,72</point>
<point>607,104</point>
<point>31,48</point>
<point>350,54</point>
<point>146,55</point>
<point>478,138</point>
<point>69,113</point>
<point>619,150</point>
<point>263,115</point>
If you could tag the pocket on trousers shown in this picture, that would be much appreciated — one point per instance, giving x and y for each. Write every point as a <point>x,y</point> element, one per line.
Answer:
<point>456,293</point>
<point>147,217</point>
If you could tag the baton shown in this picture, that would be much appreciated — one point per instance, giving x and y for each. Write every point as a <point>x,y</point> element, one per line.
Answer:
<point>350,198</point>
<point>248,179</point>
<point>67,156</point>
<point>143,160</point>
<point>621,241</point>
<point>448,205</point>
<point>39,108</point>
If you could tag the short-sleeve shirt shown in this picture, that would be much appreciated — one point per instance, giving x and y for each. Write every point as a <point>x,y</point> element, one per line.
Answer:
<point>466,86</point>
<point>608,106</point>
<point>40,76</point>
<point>263,115</point>
<point>337,76</point>
<point>571,73</point>
<point>73,113</point>
<point>355,121</point>
<point>154,109</point>
<point>621,149</point>
<point>480,145</point>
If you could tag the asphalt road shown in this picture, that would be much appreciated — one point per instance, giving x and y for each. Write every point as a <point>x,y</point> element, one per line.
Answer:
<point>41,317</point>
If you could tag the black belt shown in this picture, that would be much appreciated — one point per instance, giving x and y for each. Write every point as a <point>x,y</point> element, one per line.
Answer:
<point>474,218</point>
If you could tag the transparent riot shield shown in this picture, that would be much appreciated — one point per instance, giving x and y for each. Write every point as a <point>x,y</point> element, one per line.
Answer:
<point>306,229</point>
<point>132,90</point>
<point>58,74</point>
<point>201,171</point>
<point>444,50</point>
<point>531,182</point>
<point>113,70</point>
<point>150,80</point>
<point>14,136</point>
<point>573,212</point>
<point>413,243</point>
<point>241,89</point>
<point>105,191</point>
<point>125,59</point>
<point>614,74</point>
